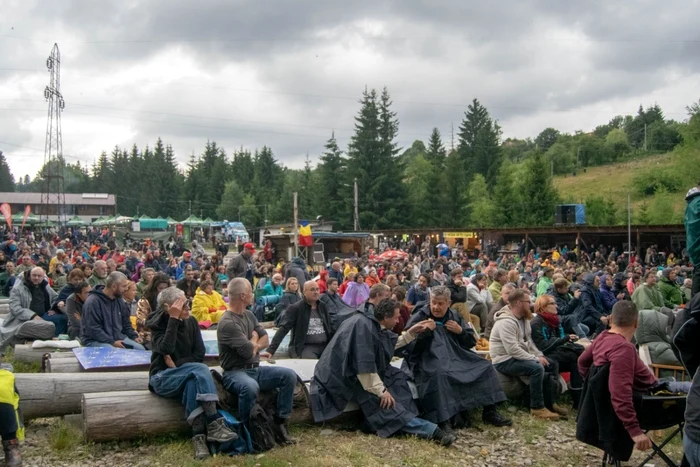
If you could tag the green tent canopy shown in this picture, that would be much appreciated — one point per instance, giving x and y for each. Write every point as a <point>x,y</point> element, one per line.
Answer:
<point>193,221</point>
<point>76,222</point>
<point>208,221</point>
<point>171,221</point>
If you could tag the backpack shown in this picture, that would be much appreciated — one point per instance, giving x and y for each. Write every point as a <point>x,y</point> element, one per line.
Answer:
<point>242,445</point>
<point>260,426</point>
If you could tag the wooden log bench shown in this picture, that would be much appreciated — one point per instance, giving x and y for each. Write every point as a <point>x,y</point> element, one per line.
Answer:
<point>50,395</point>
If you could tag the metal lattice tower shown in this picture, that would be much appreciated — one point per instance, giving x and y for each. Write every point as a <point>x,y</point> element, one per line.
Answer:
<point>53,196</point>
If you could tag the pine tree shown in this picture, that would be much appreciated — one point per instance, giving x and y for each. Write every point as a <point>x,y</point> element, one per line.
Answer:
<point>479,143</point>
<point>243,169</point>
<point>331,173</point>
<point>7,181</point>
<point>436,198</point>
<point>372,160</point>
<point>482,210</point>
<point>539,194</point>
<point>455,194</point>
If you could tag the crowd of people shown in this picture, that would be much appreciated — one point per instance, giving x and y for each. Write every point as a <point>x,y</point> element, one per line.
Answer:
<point>464,322</point>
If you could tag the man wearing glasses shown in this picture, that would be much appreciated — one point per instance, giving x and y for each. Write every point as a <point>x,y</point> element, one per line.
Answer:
<point>514,353</point>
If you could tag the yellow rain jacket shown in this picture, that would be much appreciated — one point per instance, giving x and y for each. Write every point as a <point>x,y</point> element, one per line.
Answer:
<point>203,303</point>
<point>8,395</point>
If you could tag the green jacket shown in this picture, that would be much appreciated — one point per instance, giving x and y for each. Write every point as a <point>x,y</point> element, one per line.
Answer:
<point>692,225</point>
<point>647,298</point>
<point>671,292</point>
<point>543,285</point>
<point>495,289</point>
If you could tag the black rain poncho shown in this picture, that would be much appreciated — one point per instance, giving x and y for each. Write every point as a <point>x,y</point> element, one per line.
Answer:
<point>361,346</point>
<point>449,377</point>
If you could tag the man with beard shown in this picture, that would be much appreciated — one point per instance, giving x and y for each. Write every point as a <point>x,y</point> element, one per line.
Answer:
<point>514,353</point>
<point>356,366</point>
<point>105,320</point>
<point>99,274</point>
<point>450,378</point>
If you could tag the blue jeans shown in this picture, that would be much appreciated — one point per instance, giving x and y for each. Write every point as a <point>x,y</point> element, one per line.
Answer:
<point>59,320</point>
<point>192,382</point>
<point>248,383</point>
<point>419,427</point>
<point>691,449</point>
<point>126,341</point>
<point>532,368</point>
<point>581,330</point>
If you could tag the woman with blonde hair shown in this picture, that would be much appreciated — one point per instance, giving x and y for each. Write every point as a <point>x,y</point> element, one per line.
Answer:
<point>290,296</point>
<point>548,335</point>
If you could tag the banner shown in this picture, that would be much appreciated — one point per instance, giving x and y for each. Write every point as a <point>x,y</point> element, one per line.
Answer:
<point>459,234</point>
<point>27,211</point>
<point>305,237</point>
<point>6,211</point>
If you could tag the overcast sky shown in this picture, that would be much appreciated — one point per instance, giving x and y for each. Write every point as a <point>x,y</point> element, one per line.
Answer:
<point>286,73</point>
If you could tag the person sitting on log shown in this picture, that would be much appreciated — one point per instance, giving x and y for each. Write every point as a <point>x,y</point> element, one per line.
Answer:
<point>11,424</point>
<point>148,303</point>
<point>208,304</point>
<point>30,314</point>
<point>451,379</point>
<point>356,367</point>
<point>105,320</point>
<point>241,338</point>
<point>74,308</point>
<point>310,324</point>
<point>177,370</point>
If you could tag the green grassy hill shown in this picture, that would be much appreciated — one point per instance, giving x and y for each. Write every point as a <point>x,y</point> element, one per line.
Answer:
<point>615,181</point>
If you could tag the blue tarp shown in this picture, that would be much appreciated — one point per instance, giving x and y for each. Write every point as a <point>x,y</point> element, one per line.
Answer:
<point>148,224</point>
<point>580,214</point>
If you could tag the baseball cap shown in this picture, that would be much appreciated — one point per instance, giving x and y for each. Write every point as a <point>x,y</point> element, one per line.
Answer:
<point>249,246</point>
<point>187,253</point>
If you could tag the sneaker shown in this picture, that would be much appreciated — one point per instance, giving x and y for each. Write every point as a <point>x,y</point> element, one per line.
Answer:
<point>494,418</point>
<point>443,438</point>
<point>560,410</point>
<point>218,431</point>
<point>544,414</point>
<point>201,450</point>
<point>13,458</point>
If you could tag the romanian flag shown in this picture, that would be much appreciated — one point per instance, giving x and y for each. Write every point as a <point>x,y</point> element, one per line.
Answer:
<point>305,238</point>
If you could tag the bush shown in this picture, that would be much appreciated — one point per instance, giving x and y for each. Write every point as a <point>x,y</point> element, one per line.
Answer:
<point>649,181</point>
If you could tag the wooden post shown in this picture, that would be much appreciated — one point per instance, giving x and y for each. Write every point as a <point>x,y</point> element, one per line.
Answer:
<point>296,226</point>
<point>638,248</point>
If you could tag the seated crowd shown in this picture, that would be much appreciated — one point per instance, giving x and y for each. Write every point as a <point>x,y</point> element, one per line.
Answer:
<point>464,329</point>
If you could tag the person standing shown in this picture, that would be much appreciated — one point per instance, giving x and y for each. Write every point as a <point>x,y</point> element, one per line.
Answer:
<point>692,233</point>
<point>242,264</point>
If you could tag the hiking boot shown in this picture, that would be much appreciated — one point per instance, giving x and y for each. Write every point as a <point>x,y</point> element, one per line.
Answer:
<point>447,428</point>
<point>201,450</point>
<point>13,458</point>
<point>494,417</point>
<point>219,432</point>
<point>282,435</point>
<point>544,414</point>
<point>560,410</point>
<point>443,438</point>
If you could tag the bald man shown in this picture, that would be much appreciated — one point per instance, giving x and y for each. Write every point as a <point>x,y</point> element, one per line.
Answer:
<point>241,338</point>
<point>310,323</point>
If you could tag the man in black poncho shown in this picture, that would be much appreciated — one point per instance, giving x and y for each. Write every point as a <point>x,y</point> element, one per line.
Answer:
<point>450,378</point>
<point>356,366</point>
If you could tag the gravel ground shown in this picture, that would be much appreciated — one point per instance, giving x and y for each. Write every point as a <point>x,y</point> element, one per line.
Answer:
<point>528,443</point>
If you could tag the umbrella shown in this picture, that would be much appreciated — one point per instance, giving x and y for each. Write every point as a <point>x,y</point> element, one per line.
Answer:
<point>76,222</point>
<point>392,255</point>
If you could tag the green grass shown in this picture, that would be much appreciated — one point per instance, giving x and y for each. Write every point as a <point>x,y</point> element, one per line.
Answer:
<point>613,181</point>
<point>20,367</point>
<point>64,437</point>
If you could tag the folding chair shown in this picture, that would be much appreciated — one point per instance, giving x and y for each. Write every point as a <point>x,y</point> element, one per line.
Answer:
<point>660,413</point>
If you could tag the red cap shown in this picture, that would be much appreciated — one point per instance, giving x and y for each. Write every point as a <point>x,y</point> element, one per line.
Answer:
<point>249,246</point>
<point>187,253</point>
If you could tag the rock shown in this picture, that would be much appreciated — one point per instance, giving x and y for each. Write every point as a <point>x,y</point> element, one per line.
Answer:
<point>327,432</point>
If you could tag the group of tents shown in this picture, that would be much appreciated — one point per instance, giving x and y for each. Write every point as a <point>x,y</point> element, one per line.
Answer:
<point>76,221</point>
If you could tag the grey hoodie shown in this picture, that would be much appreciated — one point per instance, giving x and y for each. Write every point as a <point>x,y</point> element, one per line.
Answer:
<point>508,341</point>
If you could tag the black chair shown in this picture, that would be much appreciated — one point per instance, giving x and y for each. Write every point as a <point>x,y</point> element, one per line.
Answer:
<point>657,413</point>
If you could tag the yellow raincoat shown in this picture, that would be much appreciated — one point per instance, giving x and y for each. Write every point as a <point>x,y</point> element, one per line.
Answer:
<point>8,395</point>
<point>203,303</point>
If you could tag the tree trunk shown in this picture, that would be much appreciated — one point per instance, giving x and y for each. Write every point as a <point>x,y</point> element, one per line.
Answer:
<point>25,353</point>
<point>50,395</point>
<point>124,415</point>
<point>70,364</point>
